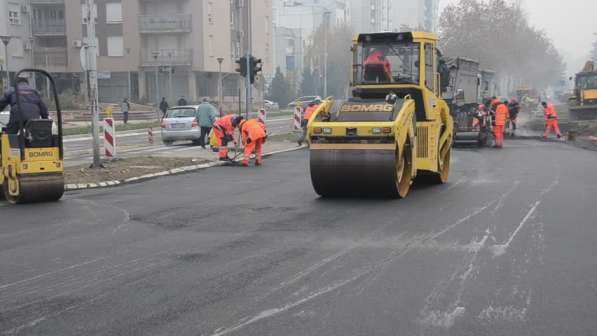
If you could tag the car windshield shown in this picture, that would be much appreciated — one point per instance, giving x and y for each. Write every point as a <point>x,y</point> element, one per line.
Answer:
<point>396,63</point>
<point>181,113</point>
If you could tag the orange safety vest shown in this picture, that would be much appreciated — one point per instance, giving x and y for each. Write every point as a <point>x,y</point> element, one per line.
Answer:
<point>377,57</point>
<point>224,124</point>
<point>309,111</point>
<point>501,115</point>
<point>252,129</point>
<point>550,112</point>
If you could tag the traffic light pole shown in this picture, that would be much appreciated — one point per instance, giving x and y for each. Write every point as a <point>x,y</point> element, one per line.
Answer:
<point>248,52</point>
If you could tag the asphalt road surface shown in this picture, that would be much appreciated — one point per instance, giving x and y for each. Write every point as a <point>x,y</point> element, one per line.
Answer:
<point>506,248</point>
<point>78,149</point>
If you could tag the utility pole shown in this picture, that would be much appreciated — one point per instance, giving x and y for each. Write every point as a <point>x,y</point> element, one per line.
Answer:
<point>6,40</point>
<point>326,22</point>
<point>248,51</point>
<point>156,76</point>
<point>92,87</point>
<point>220,86</point>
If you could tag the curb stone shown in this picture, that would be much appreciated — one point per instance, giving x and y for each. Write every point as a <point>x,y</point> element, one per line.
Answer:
<point>174,171</point>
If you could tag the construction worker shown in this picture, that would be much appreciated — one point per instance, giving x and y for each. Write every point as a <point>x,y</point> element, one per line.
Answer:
<point>478,116</point>
<point>253,135</point>
<point>31,103</point>
<point>513,110</point>
<point>551,120</point>
<point>378,57</point>
<point>501,115</point>
<point>311,108</point>
<point>224,131</point>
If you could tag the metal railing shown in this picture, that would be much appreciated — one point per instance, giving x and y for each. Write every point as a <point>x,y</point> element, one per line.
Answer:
<point>48,57</point>
<point>53,28</point>
<point>179,23</point>
<point>166,57</point>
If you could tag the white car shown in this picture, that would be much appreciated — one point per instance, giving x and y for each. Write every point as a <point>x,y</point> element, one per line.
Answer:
<point>270,105</point>
<point>180,124</point>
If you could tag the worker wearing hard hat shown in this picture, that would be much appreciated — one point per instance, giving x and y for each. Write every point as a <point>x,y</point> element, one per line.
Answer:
<point>311,108</point>
<point>501,115</point>
<point>253,136</point>
<point>551,120</point>
<point>224,131</point>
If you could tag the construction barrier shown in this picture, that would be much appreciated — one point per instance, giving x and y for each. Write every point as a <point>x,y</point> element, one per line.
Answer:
<point>262,116</point>
<point>109,138</point>
<point>298,115</point>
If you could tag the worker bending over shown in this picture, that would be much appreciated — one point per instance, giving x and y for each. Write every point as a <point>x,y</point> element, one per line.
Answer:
<point>551,120</point>
<point>311,108</point>
<point>253,135</point>
<point>224,131</point>
<point>501,115</point>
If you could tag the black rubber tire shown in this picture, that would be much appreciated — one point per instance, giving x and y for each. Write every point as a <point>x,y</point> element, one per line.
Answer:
<point>168,142</point>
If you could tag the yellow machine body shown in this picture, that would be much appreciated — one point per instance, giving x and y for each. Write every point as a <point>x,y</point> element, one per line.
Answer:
<point>353,155</point>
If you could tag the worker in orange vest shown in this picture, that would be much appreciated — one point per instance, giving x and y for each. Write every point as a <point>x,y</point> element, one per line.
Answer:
<point>501,115</point>
<point>253,134</point>
<point>223,129</point>
<point>551,120</point>
<point>311,108</point>
<point>378,56</point>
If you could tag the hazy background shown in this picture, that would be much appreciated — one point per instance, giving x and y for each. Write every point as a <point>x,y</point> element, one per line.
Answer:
<point>570,24</point>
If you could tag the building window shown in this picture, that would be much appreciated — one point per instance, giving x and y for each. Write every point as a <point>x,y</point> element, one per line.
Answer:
<point>115,46</point>
<point>114,12</point>
<point>14,15</point>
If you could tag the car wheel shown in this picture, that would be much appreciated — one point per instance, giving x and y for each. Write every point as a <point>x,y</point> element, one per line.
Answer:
<point>168,142</point>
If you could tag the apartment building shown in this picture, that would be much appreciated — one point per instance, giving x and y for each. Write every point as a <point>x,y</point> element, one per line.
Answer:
<point>147,49</point>
<point>395,15</point>
<point>15,29</point>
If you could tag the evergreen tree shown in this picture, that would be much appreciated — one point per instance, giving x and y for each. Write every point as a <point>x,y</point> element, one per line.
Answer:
<point>280,89</point>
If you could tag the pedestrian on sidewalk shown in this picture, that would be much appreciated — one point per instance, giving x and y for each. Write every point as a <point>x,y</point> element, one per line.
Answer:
<point>182,101</point>
<point>551,120</point>
<point>253,134</point>
<point>125,106</point>
<point>224,132</point>
<point>206,114</point>
<point>501,115</point>
<point>164,107</point>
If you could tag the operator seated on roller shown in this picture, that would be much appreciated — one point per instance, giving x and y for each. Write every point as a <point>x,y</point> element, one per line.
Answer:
<point>224,131</point>
<point>377,66</point>
<point>31,102</point>
<point>253,134</point>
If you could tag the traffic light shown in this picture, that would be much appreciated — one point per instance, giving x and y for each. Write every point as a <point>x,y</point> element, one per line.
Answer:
<point>256,68</point>
<point>242,66</point>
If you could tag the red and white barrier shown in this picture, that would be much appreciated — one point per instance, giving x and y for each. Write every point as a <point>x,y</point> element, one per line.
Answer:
<point>262,115</point>
<point>109,137</point>
<point>298,116</point>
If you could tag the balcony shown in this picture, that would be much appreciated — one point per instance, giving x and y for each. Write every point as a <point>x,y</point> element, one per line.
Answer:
<point>159,24</point>
<point>50,57</point>
<point>166,57</point>
<point>56,28</point>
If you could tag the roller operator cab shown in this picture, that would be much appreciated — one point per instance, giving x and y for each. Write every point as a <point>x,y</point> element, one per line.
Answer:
<point>31,167</point>
<point>583,105</point>
<point>394,128</point>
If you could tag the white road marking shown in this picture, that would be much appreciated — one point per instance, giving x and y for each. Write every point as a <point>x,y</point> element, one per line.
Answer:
<point>118,135</point>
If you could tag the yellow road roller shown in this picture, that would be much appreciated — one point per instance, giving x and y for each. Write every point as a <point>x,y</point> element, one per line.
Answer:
<point>395,127</point>
<point>31,167</point>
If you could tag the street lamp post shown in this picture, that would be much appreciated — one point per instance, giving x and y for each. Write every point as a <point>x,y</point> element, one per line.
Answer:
<point>5,40</point>
<point>325,52</point>
<point>155,55</point>
<point>220,86</point>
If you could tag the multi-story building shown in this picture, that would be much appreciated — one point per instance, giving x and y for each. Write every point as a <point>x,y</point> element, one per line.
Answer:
<point>416,15</point>
<point>372,15</point>
<point>294,24</point>
<point>147,49</point>
<point>394,15</point>
<point>15,28</point>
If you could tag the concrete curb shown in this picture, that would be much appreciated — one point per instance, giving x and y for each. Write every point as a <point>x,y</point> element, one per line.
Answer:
<point>174,171</point>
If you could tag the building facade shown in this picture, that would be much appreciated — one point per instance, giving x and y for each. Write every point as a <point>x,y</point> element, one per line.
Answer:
<point>147,49</point>
<point>394,15</point>
<point>15,28</point>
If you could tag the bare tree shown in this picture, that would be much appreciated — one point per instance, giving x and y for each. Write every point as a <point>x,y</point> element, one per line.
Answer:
<point>499,35</point>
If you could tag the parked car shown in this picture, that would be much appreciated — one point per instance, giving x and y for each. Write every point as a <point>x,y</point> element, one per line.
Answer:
<point>303,100</point>
<point>270,105</point>
<point>180,124</point>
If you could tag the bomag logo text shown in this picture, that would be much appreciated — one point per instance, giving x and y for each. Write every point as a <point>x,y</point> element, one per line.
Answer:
<point>368,108</point>
<point>38,155</point>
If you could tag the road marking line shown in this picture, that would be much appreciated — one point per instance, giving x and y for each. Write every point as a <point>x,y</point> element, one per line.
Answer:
<point>101,137</point>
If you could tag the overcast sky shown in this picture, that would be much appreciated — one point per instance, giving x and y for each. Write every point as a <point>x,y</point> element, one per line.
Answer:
<point>569,23</point>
